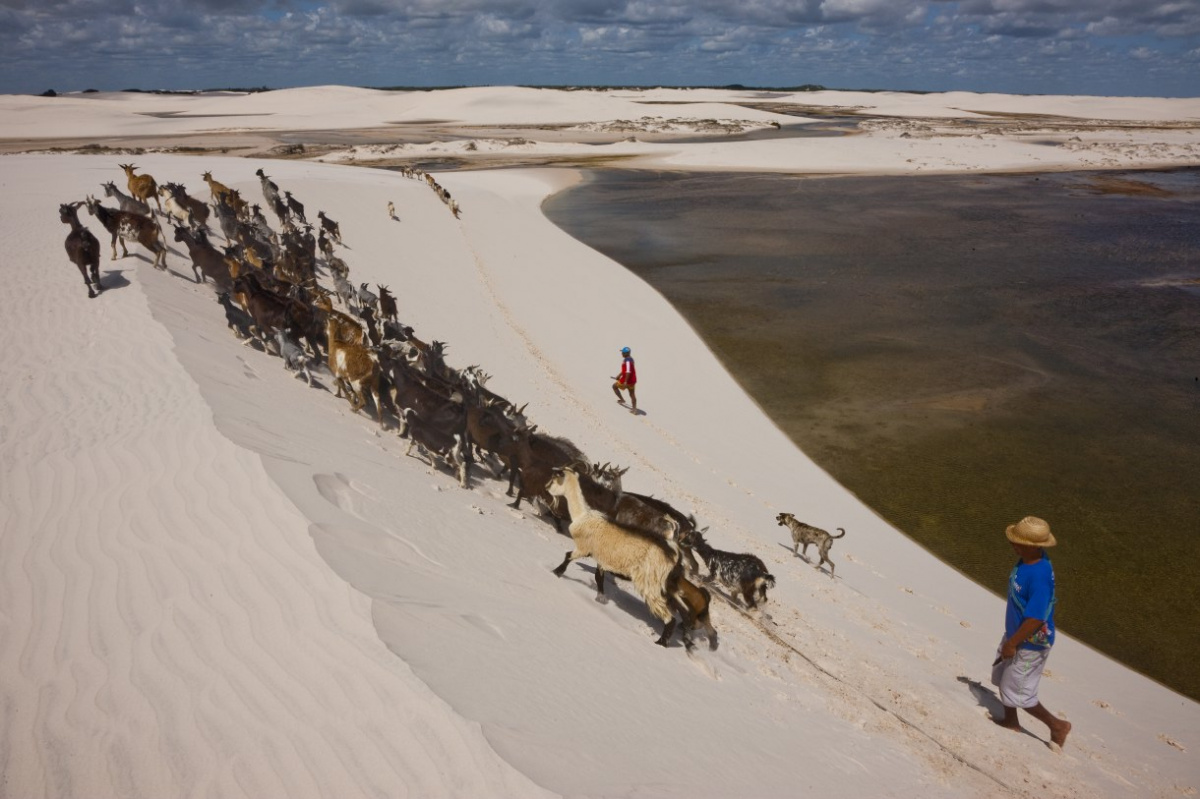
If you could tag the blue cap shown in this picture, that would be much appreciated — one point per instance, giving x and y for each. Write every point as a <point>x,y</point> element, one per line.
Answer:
<point>624,350</point>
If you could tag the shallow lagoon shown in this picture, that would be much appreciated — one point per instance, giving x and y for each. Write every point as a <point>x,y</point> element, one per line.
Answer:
<point>960,351</point>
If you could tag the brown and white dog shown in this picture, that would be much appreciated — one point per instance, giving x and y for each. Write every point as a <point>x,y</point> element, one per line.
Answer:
<point>807,534</point>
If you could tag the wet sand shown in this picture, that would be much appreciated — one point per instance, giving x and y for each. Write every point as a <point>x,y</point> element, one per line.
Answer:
<point>960,351</point>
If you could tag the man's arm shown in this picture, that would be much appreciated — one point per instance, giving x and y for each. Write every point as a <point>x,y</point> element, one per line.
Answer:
<point>1028,627</point>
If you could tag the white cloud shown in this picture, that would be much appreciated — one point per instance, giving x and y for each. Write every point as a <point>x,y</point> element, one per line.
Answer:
<point>1008,45</point>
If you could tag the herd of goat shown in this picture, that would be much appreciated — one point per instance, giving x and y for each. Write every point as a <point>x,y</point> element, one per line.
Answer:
<point>268,286</point>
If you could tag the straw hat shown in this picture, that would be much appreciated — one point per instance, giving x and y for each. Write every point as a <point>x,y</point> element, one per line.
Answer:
<point>1031,532</point>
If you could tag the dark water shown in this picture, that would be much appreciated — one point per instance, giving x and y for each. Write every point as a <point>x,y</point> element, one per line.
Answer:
<point>962,351</point>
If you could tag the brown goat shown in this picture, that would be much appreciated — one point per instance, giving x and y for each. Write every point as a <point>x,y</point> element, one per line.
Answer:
<point>82,248</point>
<point>298,316</point>
<point>207,260</point>
<point>268,310</point>
<point>348,329</point>
<point>536,456</point>
<point>122,225</point>
<point>355,368</point>
<point>219,190</point>
<point>142,187</point>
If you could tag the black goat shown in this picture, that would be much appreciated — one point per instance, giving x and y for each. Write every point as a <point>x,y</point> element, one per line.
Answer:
<point>82,248</point>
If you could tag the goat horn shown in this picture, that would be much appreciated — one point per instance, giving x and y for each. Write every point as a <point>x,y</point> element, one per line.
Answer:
<point>521,410</point>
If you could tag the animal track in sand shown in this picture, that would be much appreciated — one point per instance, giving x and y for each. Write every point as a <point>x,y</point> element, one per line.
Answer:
<point>1169,741</point>
<point>247,369</point>
<point>1100,703</point>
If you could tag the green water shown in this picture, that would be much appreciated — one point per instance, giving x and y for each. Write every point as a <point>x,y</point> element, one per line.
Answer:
<point>962,351</point>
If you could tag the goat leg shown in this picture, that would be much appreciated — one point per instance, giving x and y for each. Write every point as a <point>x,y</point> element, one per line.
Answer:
<point>562,567</point>
<point>668,631</point>
<point>600,597</point>
<point>748,594</point>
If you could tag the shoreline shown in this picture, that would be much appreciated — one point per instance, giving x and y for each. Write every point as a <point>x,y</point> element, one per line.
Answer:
<point>887,443</point>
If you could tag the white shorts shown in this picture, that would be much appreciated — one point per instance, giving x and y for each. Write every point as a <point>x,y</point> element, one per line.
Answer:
<point>1018,678</point>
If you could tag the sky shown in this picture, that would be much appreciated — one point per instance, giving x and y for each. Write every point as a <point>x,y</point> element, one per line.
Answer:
<point>1102,47</point>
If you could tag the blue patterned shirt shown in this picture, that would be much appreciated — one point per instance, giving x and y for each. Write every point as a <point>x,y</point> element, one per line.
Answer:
<point>1031,596</point>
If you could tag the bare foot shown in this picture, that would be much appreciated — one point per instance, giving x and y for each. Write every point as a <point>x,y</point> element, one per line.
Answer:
<point>1059,733</point>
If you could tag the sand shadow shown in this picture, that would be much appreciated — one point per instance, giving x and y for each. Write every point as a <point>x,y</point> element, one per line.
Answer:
<point>616,594</point>
<point>990,701</point>
<point>986,697</point>
<point>820,567</point>
<point>114,279</point>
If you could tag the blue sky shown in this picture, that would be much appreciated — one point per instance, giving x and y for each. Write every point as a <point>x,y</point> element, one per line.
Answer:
<point>1112,47</point>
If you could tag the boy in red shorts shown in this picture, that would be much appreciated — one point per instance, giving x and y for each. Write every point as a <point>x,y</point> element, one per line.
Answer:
<point>627,380</point>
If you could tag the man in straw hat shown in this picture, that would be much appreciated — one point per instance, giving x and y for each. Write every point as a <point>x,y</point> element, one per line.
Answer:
<point>1028,629</point>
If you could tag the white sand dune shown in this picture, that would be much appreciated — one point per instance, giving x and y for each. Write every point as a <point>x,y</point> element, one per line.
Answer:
<point>217,581</point>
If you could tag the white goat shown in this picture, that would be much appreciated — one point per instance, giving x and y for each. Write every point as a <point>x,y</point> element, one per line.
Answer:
<point>651,562</point>
<point>175,209</point>
<point>343,288</point>
<point>294,359</point>
<point>367,298</point>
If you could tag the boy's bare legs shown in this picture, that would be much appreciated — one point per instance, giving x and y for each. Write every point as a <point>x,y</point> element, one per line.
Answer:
<point>1059,728</point>
<point>632,399</point>
<point>617,391</point>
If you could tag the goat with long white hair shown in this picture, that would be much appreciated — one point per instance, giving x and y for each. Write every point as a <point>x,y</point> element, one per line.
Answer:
<point>651,562</point>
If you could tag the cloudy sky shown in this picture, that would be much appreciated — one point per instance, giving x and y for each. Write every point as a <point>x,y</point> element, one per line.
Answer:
<point>1112,47</point>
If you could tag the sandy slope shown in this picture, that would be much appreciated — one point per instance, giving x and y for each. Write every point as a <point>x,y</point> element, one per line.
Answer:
<point>215,580</point>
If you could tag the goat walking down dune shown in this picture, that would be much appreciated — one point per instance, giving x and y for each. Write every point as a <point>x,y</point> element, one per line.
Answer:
<point>436,445</point>
<point>294,359</point>
<point>649,561</point>
<point>217,189</point>
<point>142,187</point>
<point>82,248</point>
<point>126,203</point>
<point>207,261</point>
<point>355,369</point>
<point>184,208</point>
<point>121,225</point>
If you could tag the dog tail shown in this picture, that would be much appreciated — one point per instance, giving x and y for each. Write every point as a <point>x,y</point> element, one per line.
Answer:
<point>843,532</point>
